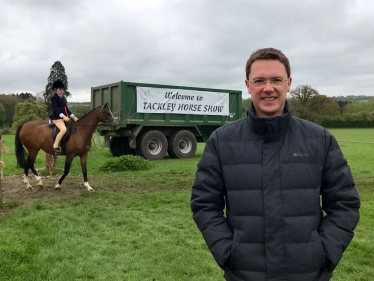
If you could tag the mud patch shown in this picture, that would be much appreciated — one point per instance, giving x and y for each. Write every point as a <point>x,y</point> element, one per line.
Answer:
<point>15,193</point>
<point>14,190</point>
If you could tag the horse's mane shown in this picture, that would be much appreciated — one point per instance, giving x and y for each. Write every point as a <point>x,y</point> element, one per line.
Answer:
<point>89,112</point>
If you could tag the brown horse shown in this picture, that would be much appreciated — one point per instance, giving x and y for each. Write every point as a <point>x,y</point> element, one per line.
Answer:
<point>36,135</point>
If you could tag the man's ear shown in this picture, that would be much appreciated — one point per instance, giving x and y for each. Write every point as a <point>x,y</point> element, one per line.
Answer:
<point>289,82</point>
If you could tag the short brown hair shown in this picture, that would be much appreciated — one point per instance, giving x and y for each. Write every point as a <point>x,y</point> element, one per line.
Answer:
<point>267,54</point>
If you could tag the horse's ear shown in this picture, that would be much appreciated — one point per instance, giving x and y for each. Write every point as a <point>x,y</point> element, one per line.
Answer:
<point>106,104</point>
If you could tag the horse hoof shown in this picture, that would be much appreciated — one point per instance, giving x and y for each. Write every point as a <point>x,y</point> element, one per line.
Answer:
<point>89,188</point>
<point>40,182</point>
<point>29,187</point>
<point>57,186</point>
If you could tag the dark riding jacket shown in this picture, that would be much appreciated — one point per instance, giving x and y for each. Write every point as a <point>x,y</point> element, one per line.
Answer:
<point>59,107</point>
<point>269,174</point>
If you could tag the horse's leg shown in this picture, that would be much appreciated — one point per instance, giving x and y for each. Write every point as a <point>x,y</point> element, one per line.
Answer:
<point>68,160</point>
<point>83,158</point>
<point>26,174</point>
<point>29,164</point>
<point>37,177</point>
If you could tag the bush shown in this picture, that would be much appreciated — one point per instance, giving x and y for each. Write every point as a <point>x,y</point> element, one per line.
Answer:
<point>6,131</point>
<point>126,163</point>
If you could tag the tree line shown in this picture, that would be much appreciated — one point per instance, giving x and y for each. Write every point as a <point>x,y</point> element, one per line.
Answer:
<point>331,112</point>
<point>17,109</point>
<point>306,103</point>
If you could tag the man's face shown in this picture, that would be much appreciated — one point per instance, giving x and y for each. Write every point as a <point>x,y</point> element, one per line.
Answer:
<point>59,91</point>
<point>269,98</point>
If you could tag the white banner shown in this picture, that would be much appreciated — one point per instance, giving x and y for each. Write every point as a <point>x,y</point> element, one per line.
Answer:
<point>163,100</point>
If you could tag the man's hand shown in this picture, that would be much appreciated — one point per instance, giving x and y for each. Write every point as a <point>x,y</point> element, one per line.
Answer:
<point>66,119</point>
<point>75,119</point>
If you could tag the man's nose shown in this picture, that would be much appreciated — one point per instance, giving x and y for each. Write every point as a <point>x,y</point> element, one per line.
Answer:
<point>268,86</point>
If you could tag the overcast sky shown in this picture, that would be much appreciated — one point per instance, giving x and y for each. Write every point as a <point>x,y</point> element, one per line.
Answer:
<point>201,43</point>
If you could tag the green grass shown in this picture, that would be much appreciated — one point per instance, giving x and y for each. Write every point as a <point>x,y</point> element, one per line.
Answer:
<point>105,236</point>
<point>356,135</point>
<point>138,226</point>
<point>357,149</point>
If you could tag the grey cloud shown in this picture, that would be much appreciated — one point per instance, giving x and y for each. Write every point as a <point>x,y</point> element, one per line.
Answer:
<point>191,43</point>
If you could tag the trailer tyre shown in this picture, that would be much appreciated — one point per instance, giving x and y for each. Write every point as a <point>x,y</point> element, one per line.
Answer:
<point>113,146</point>
<point>120,146</point>
<point>151,145</point>
<point>182,144</point>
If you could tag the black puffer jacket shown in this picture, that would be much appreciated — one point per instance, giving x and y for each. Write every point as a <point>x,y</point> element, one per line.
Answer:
<point>269,174</point>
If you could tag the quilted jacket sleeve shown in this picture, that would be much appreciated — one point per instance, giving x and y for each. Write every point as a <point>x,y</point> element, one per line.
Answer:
<point>340,202</point>
<point>208,203</point>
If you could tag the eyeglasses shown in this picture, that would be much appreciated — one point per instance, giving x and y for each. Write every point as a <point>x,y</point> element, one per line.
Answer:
<point>273,81</point>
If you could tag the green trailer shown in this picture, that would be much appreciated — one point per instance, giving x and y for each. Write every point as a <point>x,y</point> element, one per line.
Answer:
<point>154,119</point>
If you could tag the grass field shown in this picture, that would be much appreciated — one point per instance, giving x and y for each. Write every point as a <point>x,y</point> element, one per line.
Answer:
<point>138,226</point>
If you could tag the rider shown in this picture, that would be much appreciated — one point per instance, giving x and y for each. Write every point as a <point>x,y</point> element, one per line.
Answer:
<point>60,113</point>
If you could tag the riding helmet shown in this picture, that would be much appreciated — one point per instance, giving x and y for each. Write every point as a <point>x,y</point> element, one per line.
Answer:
<point>58,84</point>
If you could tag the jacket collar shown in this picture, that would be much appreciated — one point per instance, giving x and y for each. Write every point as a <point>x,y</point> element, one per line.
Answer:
<point>270,128</point>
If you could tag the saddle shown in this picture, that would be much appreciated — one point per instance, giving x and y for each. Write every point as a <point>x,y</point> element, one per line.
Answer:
<point>56,130</point>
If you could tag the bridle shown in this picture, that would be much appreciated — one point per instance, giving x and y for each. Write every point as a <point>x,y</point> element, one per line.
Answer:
<point>104,117</point>
<point>106,120</point>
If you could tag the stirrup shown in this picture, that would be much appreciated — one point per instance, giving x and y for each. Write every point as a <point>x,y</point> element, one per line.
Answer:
<point>57,150</point>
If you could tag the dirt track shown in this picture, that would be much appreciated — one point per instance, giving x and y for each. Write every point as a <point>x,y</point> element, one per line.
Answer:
<point>15,190</point>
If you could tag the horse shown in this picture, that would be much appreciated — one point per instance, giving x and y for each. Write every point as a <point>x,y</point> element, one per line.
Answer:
<point>37,134</point>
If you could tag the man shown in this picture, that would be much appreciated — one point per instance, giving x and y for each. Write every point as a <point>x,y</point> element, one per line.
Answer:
<point>60,113</point>
<point>269,170</point>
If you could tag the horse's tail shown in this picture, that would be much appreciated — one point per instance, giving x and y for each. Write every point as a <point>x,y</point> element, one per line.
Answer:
<point>21,153</point>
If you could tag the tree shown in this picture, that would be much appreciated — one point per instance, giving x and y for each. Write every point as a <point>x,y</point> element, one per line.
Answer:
<point>57,72</point>
<point>26,96</point>
<point>2,115</point>
<point>355,107</point>
<point>79,110</point>
<point>323,105</point>
<point>29,110</point>
<point>299,110</point>
<point>342,105</point>
<point>9,101</point>
<point>300,98</point>
<point>303,94</point>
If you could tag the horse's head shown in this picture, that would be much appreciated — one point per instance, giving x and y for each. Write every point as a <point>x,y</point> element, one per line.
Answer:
<point>107,116</point>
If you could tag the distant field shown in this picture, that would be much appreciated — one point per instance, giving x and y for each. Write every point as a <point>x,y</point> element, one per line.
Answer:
<point>138,225</point>
<point>358,147</point>
<point>357,135</point>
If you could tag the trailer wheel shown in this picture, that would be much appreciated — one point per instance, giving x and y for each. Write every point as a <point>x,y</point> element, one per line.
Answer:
<point>182,144</point>
<point>152,145</point>
<point>120,146</point>
<point>113,146</point>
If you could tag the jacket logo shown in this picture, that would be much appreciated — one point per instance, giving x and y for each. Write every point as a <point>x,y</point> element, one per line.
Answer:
<point>301,154</point>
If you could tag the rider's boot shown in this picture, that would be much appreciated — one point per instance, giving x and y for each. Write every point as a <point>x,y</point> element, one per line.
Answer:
<point>56,148</point>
